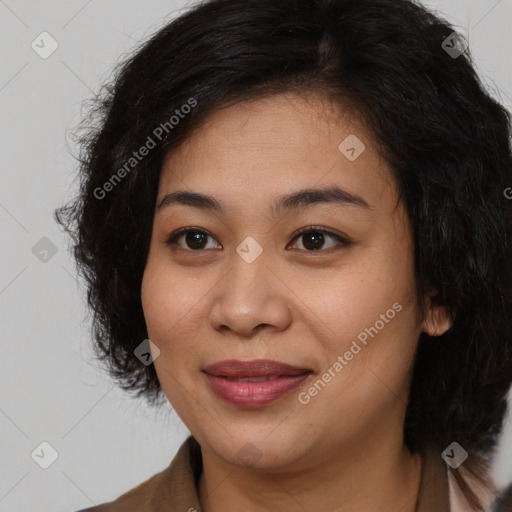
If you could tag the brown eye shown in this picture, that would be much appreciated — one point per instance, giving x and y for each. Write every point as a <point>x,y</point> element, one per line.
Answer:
<point>194,239</point>
<point>314,239</point>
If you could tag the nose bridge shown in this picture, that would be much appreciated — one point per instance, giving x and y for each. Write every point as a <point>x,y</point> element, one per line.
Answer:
<point>247,280</point>
<point>249,295</point>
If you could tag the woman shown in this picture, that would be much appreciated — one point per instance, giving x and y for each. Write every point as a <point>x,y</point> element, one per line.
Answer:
<point>294,226</point>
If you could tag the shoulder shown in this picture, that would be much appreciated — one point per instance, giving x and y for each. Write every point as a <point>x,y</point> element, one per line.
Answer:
<point>168,489</point>
<point>503,502</point>
<point>500,502</point>
<point>137,499</point>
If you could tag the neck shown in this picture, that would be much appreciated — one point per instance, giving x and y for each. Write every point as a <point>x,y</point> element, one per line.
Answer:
<point>377,477</point>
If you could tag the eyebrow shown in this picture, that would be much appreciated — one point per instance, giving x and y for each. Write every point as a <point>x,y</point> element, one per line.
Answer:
<point>294,201</point>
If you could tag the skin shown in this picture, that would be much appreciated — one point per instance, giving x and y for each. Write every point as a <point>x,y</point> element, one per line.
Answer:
<point>342,451</point>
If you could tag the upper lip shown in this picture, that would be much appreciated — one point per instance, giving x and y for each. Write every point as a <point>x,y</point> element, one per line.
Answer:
<point>255,368</point>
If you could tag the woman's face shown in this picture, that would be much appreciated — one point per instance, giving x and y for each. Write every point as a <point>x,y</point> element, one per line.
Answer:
<point>244,286</point>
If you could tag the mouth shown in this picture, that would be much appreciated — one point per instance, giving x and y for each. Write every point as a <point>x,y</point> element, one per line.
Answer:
<point>254,383</point>
<point>251,379</point>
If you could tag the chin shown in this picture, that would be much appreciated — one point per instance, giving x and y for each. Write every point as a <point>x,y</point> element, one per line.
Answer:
<point>256,449</point>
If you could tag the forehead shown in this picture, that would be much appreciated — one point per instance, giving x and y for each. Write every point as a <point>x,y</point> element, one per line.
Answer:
<point>256,150</point>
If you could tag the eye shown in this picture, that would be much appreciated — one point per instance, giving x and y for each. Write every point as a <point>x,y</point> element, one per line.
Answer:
<point>313,238</point>
<point>194,238</point>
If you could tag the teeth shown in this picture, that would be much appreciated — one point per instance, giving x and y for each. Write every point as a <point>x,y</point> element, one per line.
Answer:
<point>254,379</point>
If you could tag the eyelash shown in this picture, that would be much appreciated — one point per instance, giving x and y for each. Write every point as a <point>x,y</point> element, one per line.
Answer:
<point>343,241</point>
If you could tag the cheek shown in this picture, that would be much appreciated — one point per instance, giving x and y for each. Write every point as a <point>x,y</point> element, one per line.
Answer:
<point>173,313</point>
<point>161,296</point>
<point>155,302</point>
<point>169,326</point>
<point>354,297</point>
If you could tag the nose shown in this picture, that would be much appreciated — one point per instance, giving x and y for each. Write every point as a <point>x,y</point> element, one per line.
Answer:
<point>251,297</point>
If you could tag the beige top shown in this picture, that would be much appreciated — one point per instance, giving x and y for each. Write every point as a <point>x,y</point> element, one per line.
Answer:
<point>175,488</point>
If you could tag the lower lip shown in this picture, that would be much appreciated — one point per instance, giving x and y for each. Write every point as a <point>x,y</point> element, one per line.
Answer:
<point>254,394</point>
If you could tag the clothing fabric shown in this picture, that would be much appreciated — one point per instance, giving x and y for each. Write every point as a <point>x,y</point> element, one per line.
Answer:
<point>175,488</point>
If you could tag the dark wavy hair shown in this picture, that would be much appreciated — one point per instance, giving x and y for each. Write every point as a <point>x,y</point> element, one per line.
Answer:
<point>446,140</point>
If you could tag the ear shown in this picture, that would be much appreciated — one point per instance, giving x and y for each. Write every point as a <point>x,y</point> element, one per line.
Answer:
<point>437,319</point>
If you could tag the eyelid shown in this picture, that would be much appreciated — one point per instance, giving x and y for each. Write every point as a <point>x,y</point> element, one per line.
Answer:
<point>172,238</point>
<point>342,239</point>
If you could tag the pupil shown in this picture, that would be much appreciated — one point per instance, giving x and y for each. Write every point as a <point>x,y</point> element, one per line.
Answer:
<point>195,238</point>
<point>313,241</point>
<point>314,238</point>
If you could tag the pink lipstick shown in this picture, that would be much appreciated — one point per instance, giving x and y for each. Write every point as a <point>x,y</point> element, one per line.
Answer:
<point>253,383</point>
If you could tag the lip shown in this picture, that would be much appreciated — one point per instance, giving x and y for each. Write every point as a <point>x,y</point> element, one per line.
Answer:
<point>254,368</point>
<point>284,378</point>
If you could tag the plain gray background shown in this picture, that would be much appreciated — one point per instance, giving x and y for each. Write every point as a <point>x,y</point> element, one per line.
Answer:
<point>51,388</point>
